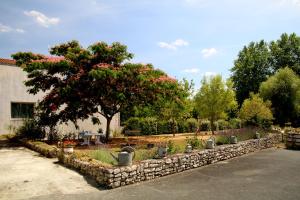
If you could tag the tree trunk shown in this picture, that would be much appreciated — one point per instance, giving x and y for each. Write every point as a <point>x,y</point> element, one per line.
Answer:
<point>108,120</point>
<point>173,127</point>
<point>212,125</point>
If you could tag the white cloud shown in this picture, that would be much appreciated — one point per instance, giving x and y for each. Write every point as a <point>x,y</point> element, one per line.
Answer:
<point>19,30</point>
<point>208,74</point>
<point>191,70</point>
<point>209,52</point>
<point>173,45</point>
<point>42,19</point>
<point>4,28</point>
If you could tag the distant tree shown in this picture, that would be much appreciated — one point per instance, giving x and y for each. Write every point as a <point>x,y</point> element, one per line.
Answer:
<point>214,98</point>
<point>283,90</point>
<point>81,83</point>
<point>285,52</point>
<point>255,111</point>
<point>250,69</point>
<point>179,108</point>
<point>257,61</point>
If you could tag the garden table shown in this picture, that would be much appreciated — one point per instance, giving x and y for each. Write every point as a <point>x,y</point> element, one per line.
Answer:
<point>87,136</point>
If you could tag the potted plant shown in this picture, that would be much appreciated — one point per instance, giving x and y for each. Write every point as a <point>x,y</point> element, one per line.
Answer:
<point>68,146</point>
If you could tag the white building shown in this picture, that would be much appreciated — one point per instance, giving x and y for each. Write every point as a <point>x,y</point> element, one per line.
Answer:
<point>16,103</point>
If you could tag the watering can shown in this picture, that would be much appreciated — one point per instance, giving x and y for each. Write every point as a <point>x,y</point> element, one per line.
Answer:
<point>233,139</point>
<point>125,157</point>
<point>257,135</point>
<point>188,148</point>
<point>210,143</point>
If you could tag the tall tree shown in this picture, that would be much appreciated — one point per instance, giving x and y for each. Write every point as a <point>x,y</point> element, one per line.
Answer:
<point>283,90</point>
<point>250,69</point>
<point>83,82</point>
<point>214,98</point>
<point>285,52</point>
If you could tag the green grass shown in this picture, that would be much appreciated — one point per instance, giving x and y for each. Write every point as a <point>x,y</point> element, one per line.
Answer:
<point>103,155</point>
<point>144,154</point>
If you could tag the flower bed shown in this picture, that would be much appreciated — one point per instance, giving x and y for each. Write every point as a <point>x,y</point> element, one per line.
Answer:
<point>41,147</point>
<point>112,177</point>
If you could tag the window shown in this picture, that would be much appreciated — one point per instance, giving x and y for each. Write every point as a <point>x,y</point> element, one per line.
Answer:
<point>22,110</point>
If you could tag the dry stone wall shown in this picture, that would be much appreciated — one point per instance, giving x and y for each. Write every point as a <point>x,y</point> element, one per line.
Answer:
<point>150,169</point>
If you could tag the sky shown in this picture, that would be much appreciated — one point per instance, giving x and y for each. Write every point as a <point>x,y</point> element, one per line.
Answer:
<point>185,38</point>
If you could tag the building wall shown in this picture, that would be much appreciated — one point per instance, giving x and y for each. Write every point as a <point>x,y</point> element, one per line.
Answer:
<point>12,89</point>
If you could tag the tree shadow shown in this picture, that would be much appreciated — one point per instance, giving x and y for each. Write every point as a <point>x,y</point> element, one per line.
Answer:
<point>89,179</point>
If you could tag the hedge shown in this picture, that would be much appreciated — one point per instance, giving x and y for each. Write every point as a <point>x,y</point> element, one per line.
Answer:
<point>153,126</point>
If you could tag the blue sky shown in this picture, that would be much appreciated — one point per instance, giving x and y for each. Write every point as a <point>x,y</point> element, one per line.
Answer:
<point>185,38</point>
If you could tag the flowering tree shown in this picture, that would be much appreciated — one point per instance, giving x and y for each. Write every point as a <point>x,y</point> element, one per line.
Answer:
<point>81,82</point>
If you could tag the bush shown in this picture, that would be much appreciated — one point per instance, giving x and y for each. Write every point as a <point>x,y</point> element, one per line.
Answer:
<point>172,126</point>
<point>171,147</point>
<point>182,127</point>
<point>235,123</point>
<point>163,127</point>
<point>148,126</point>
<point>216,126</point>
<point>205,125</point>
<point>132,123</point>
<point>192,125</point>
<point>194,142</point>
<point>222,124</point>
<point>30,130</point>
<point>222,139</point>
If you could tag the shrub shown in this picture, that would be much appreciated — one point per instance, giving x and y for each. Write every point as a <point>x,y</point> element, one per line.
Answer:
<point>222,124</point>
<point>163,127</point>
<point>148,126</point>
<point>235,123</point>
<point>255,111</point>
<point>172,126</point>
<point>192,125</point>
<point>216,126</point>
<point>132,123</point>
<point>182,127</point>
<point>205,125</point>
<point>31,130</point>
<point>222,139</point>
<point>194,142</point>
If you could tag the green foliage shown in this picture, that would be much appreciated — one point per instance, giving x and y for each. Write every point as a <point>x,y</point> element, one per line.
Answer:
<point>30,130</point>
<point>83,80</point>
<point>192,125</point>
<point>214,98</point>
<point>152,126</point>
<point>148,126</point>
<point>222,139</point>
<point>222,124</point>
<point>172,147</point>
<point>235,123</point>
<point>283,90</point>
<point>250,69</point>
<point>195,142</point>
<point>205,125</point>
<point>255,111</point>
<point>163,127</point>
<point>132,123</point>
<point>257,61</point>
<point>103,155</point>
<point>286,52</point>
